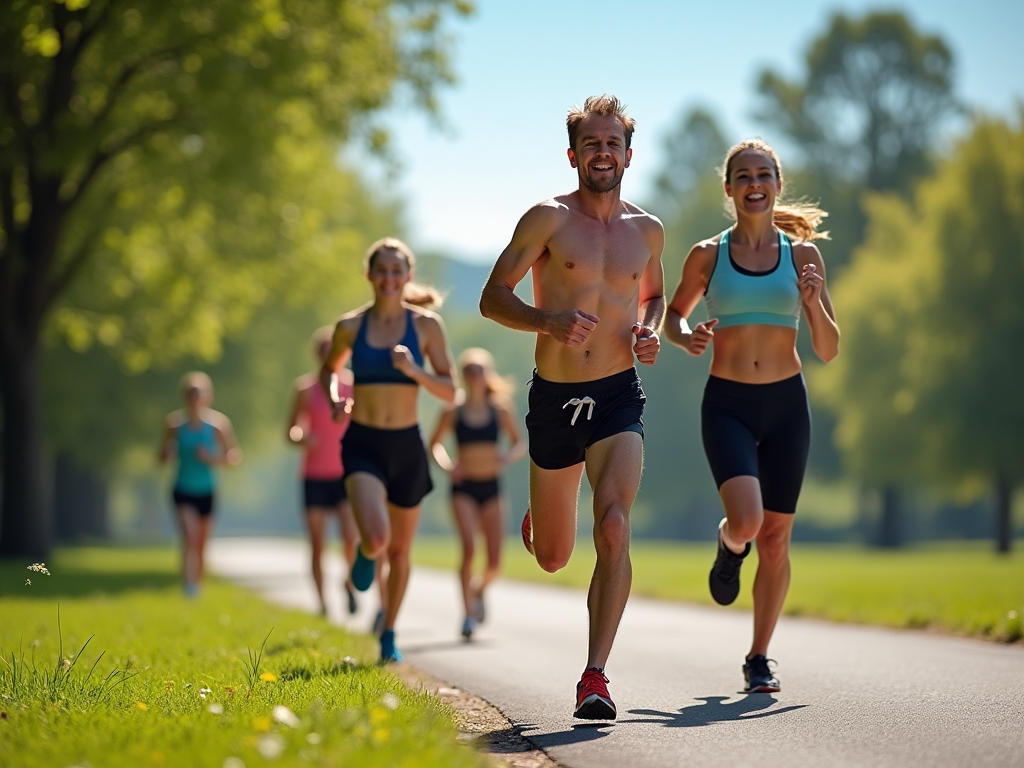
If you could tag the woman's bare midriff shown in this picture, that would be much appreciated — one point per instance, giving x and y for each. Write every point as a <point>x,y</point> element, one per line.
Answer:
<point>385,406</point>
<point>480,461</point>
<point>755,354</point>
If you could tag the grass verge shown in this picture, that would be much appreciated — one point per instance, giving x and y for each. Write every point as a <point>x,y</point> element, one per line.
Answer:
<point>178,682</point>
<point>963,589</point>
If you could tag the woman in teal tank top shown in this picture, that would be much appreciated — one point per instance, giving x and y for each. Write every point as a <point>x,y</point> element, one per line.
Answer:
<point>201,439</point>
<point>756,278</point>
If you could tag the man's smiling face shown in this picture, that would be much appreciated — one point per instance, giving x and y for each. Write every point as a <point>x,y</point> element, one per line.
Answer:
<point>600,155</point>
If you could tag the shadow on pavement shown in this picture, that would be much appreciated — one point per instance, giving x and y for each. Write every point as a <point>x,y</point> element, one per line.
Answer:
<point>576,734</point>
<point>444,645</point>
<point>751,707</point>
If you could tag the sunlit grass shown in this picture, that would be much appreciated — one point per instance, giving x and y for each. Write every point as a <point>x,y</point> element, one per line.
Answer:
<point>183,683</point>
<point>961,589</point>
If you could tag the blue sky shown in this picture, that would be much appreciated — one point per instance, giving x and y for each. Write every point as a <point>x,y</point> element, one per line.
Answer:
<point>522,63</point>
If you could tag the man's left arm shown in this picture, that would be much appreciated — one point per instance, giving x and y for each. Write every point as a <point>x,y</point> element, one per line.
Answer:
<point>651,308</point>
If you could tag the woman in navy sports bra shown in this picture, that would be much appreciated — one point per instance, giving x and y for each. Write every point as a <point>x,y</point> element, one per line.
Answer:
<point>203,439</point>
<point>756,278</point>
<point>386,469</point>
<point>480,414</point>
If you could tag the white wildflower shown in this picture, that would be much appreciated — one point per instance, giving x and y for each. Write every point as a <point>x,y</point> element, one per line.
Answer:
<point>390,701</point>
<point>38,568</point>
<point>233,762</point>
<point>285,716</point>
<point>203,692</point>
<point>270,746</point>
<point>28,582</point>
<point>314,738</point>
<point>215,709</point>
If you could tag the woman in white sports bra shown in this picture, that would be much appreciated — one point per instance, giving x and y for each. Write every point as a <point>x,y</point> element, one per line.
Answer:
<point>756,278</point>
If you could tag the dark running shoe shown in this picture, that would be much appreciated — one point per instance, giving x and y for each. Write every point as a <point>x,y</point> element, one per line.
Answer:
<point>363,570</point>
<point>592,699</point>
<point>758,675</point>
<point>353,606</point>
<point>378,623</point>
<point>388,651</point>
<point>527,531</point>
<point>724,579</point>
<point>467,628</point>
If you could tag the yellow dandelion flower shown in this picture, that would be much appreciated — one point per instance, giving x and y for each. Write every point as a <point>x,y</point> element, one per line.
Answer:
<point>141,705</point>
<point>261,724</point>
<point>268,677</point>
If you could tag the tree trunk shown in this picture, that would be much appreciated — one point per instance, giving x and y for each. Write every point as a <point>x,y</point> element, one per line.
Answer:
<point>24,527</point>
<point>890,514</point>
<point>1004,514</point>
<point>79,501</point>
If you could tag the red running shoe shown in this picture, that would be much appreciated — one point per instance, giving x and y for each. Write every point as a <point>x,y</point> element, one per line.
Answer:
<point>527,530</point>
<point>592,699</point>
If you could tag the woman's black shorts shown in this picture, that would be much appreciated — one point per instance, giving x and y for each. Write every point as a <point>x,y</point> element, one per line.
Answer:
<point>396,457</point>
<point>203,504</point>
<point>481,491</point>
<point>762,430</point>
<point>323,493</point>
<point>567,418</point>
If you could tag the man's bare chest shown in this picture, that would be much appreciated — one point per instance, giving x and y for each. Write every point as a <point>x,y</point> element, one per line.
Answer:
<point>615,256</point>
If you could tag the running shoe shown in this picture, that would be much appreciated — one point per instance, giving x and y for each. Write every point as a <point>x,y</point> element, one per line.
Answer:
<point>758,675</point>
<point>479,610</point>
<point>467,627</point>
<point>592,699</point>
<point>353,606</point>
<point>724,579</point>
<point>388,652</point>
<point>378,623</point>
<point>362,571</point>
<point>527,530</point>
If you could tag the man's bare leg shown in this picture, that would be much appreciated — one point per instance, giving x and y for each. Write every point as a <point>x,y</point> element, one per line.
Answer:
<point>613,469</point>
<point>553,497</point>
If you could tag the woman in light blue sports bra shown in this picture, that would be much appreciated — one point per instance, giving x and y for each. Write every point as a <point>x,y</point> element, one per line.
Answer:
<point>756,279</point>
<point>201,439</point>
<point>396,346</point>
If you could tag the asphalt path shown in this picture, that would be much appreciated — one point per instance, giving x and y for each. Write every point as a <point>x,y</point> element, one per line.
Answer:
<point>851,695</point>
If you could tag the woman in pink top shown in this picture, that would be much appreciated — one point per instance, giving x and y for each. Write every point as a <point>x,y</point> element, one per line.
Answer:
<point>314,428</point>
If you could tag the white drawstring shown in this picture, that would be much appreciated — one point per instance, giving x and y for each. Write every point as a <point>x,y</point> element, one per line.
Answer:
<point>588,401</point>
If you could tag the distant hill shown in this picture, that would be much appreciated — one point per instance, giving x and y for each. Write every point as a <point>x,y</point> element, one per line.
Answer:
<point>461,281</point>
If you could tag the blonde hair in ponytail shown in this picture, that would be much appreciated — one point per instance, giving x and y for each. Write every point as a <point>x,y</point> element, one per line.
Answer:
<point>414,293</point>
<point>498,387</point>
<point>799,219</point>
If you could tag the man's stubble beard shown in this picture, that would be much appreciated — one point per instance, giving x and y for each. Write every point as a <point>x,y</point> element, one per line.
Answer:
<point>599,188</point>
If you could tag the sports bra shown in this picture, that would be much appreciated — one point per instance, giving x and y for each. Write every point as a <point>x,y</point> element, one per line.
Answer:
<point>738,296</point>
<point>464,433</point>
<point>372,365</point>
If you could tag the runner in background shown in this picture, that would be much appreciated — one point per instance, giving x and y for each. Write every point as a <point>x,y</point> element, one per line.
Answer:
<point>482,411</point>
<point>387,473</point>
<point>202,439</point>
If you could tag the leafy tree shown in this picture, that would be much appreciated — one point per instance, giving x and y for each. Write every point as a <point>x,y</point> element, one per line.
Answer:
<point>933,321</point>
<point>154,136</point>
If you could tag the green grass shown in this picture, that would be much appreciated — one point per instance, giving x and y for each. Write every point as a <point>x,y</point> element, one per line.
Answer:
<point>143,702</point>
<point>962,589</point>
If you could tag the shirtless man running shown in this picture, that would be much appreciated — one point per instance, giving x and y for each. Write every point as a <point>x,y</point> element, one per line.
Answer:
<point>599,291</point>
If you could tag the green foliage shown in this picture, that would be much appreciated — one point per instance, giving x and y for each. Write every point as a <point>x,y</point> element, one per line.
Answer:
<point>931,312</point>
<point>963,590</point>
<point>320,700</point>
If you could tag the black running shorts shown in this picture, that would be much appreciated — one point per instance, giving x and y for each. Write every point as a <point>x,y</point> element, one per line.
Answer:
<point>567,418</point>
<point>396,457</point>
<point>481,491</point>
<point>201,503</point>
<point>760,430</point>
<point>325,494</point>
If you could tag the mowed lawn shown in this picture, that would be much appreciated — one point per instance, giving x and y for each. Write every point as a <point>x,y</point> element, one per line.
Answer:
<point>178,684</point>
<point>961,589</point>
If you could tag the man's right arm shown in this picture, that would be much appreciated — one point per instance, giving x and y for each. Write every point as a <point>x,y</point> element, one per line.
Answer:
<point>498,300</point>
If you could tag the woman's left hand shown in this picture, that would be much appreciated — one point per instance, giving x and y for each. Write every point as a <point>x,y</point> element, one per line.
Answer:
<point>810,285</point>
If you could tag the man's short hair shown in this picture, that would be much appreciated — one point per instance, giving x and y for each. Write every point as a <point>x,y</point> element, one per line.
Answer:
<point>606,106</point>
